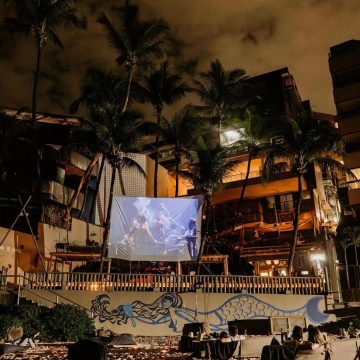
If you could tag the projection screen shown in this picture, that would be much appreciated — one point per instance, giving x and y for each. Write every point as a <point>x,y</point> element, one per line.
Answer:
<point>155,229</point>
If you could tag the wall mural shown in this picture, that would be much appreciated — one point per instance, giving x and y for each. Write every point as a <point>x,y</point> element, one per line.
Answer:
<point>169,309</point>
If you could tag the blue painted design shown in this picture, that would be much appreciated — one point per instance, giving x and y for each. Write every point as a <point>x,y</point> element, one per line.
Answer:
<point>168,309</point>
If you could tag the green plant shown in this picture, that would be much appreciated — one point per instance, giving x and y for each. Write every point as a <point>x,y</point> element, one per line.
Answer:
<point>30,317</point>
<point>6,321</point>
<point>60,323</point>
<point>66,323</point>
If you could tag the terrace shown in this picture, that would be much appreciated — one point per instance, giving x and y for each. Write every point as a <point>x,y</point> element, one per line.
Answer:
<point>170,283</point>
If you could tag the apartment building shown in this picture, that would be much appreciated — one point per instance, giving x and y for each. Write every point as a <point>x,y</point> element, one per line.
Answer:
<point>344,65</point>
<point>261,235</point>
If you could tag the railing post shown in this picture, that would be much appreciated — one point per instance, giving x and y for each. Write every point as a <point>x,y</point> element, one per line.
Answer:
<point>18,295</point>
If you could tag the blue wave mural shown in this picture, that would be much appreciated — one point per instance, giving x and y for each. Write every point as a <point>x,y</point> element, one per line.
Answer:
<point>169,309</point>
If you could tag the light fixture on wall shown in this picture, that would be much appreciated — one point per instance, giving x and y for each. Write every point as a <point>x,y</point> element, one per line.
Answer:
<point>276,262</point>
<point>268,262</point>
<point>317,256</point>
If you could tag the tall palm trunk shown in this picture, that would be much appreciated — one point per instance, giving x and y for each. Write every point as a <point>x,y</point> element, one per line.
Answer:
<point>296,225</point>
<point>121,180</point>
<point>156,169</point>
<point>93,203</point>
<point>35,134</point>
<point>177,165</point>
<point>80,186</point>
<point>243,188</point>
<point>205,232</point>
<point>128,88</point>
<point>108,218</point>
<point>35,83</point>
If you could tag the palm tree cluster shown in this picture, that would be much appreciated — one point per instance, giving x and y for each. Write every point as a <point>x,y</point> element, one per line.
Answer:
<point>115,129</point>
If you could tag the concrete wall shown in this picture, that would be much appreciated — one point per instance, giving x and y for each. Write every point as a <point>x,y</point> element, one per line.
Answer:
<point>156,313</point>
<point>18,252</point>
<point>162,179</point>
<point>80,231</point>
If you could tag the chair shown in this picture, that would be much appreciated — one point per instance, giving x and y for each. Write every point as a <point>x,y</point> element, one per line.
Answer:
<point>277,352</point>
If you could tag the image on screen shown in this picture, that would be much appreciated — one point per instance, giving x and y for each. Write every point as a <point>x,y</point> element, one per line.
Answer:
<point>155,229</point>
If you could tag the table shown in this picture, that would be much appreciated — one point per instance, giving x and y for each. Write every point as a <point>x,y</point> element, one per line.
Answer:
<point>216,349</point>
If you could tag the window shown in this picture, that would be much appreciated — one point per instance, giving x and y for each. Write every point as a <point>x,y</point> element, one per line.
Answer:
<point>230,136</point>
<point>286,202</point>
<point>283,323</point>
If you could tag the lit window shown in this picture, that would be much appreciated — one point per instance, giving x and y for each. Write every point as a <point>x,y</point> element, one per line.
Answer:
<point>231,136</point>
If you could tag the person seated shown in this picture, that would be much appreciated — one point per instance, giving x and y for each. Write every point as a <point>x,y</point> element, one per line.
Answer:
<point>205,331</point>
<point>224,337</point>
<point>315,337</point>
<point>26,340</point>
<point>234,333</point>
<point>297,341</point>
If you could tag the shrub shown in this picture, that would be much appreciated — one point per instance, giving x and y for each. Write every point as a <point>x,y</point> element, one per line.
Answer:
<point>30,316</point>
<point>66,323</point>
<point>60,323</point>
<point>6,321</point>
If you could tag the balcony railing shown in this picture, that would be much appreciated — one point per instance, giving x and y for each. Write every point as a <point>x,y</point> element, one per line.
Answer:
<point>55,191</point>
<point>175,283</point>
<point>241,176</point>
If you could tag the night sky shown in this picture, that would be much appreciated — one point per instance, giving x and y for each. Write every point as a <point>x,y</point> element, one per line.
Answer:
<point>257,35</point>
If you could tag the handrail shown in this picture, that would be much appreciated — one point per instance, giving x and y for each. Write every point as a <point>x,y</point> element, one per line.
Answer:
<point>23,287</point>
<point>175,283</point>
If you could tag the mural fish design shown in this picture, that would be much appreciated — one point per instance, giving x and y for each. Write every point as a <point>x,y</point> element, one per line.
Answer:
<point>169,309</point>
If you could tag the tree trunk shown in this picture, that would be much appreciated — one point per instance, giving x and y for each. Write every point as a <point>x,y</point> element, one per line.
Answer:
<point>34,129</point>
<point>177,164</point>
<point>128,88</point>
<point>156,169</point>
<point>108,218</point>
<point>35,84</point>
<point>121,180</point>
<point>81,184</point>
<point>296,225</point>
<point>205,233</point>
<point>93,204</point>
<point>243,188</point>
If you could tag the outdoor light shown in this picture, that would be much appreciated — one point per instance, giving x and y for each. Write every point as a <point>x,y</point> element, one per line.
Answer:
<point>230,136</point>
<point>317,257</point>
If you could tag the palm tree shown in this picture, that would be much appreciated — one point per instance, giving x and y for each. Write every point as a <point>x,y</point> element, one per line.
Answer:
<point>222,92</point>
<point>209,167</point>
<point>41,19</point>
<point>253,139</point>
<point>300,143</point>
<point>159,88</point>
<point>182,131</point>
<point>117,133</point>
<point>99,86</point>
<point>138,42</point>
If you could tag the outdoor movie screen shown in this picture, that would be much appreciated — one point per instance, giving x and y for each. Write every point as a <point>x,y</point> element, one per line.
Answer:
<point>155,229</point>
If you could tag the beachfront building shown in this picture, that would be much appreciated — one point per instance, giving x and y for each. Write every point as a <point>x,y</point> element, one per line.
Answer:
<point>344,64</point>
<point>245,256</point>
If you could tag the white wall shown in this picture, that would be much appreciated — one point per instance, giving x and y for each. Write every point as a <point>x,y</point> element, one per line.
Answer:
<point>156,313</point>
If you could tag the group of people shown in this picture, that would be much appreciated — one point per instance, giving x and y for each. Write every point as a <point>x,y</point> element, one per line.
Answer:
<point>15,335</point>
<point>315,338</point>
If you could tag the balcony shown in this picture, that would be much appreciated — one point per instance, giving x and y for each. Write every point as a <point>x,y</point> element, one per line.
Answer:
<point>175,283</point>
<point>354,192</point>
<point>242,176</point>
<point>59,193</point>
<point>345,93</point>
